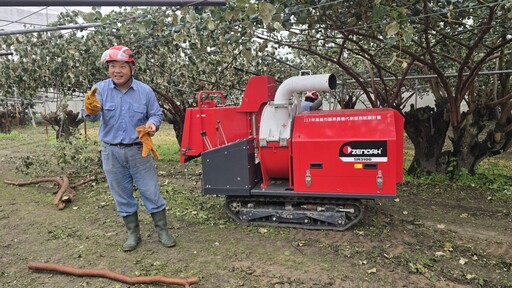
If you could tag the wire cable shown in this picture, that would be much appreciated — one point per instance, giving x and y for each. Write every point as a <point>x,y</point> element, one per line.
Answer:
<point>13,22</point>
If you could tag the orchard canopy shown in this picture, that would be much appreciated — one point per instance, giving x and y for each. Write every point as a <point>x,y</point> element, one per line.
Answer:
<point>384,53</point>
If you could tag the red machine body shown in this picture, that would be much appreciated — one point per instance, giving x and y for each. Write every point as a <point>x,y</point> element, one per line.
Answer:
<point>348,151</point>
<point>278,166</point>
<point>212,121</point>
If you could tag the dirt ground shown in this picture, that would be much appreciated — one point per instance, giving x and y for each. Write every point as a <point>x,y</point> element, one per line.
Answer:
<point>434,236</point>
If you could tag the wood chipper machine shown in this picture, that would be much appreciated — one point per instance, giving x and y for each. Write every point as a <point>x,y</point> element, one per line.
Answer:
<point>278,166</point>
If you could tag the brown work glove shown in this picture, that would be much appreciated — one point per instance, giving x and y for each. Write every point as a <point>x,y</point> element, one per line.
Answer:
<point>147,143</point>
<point>92,106</point>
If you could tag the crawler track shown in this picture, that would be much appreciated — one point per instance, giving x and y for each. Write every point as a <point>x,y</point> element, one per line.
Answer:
<point>296,212</point>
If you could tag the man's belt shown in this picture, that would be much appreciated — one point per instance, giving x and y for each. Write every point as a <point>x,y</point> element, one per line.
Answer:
<point>125,144</point>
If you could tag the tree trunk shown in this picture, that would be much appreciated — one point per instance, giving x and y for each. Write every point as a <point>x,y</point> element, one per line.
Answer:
<point>177,124</point>
<point>64,128</point>
<point>63,132</point>
<point>174,113</point>
<point>470,148</point>
<point>5,122</point>
<point>426,127</point>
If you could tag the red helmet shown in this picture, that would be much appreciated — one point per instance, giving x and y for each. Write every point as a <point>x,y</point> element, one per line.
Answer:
<point>311,94</point>
<point>118,53</point>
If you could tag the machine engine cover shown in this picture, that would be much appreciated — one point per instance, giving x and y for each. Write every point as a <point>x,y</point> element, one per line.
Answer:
<point>355,152</point>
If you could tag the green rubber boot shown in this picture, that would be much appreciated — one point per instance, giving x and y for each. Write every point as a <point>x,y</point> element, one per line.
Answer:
<point>132,225</point>
<point>160,220</point>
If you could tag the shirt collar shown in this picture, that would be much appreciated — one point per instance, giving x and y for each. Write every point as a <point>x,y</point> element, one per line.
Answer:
<point>112,85</point>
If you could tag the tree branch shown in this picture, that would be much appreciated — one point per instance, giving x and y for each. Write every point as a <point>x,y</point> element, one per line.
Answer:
<point>111,275</point>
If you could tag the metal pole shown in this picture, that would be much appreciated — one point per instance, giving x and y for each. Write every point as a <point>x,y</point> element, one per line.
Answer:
<point>435,76</point>
<point>46,29</point>
<point>112,3</point>
<point>283,62</point>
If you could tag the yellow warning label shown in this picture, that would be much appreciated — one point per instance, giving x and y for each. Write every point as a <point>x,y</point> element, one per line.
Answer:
<point>358,166</point>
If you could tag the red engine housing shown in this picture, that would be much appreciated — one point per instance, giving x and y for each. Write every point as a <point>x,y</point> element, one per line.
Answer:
<point>358,152</point>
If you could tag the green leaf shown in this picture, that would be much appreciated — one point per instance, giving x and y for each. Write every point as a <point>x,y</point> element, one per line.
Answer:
<point>278,26</point>
<point>210,24</point>
<point>247,54</point>
<point>392,28</point>
<point>267,10</point>
<point>251,9</point>
<point>392,59</point>
<point>141,27</point>
<point>192,17</point>
<point>263,46</point>
<point>379,12</point>
<point>89,17</point>
<point>403,11</point>
<point>408,34</point>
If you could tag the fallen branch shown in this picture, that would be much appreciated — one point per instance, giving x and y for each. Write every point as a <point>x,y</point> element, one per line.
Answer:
<point>63,188</point>
<point>69,196</point>
<point>82,182</point>
<point>64,194</point>
<point>35,181</point>
<point>112,275</point>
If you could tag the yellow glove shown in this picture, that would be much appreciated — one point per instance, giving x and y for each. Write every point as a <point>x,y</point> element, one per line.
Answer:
<point>92,106</point>
<point>147,143</point>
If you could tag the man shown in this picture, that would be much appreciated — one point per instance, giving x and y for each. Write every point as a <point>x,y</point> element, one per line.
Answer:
<point>122,104</point>
<point>311,102</point>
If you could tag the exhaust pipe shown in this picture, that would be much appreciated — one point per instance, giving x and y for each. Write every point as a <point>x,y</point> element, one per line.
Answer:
<point>321,82</point>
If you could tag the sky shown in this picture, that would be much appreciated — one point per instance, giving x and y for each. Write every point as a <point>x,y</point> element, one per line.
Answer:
<point>17,18</point>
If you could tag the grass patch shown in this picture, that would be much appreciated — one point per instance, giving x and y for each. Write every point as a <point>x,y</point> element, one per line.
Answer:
<point>14,135</point>
<point>492,174</point>
<point>169,151</point>
<point>194,207</point>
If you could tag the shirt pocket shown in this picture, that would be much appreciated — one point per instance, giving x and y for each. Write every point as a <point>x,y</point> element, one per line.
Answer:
<point>109,111</point>
<point>139,112</point>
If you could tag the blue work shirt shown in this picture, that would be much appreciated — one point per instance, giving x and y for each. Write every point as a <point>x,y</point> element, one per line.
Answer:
<point>305,106</point>
<point>122,112</point>
<point>311,106</point>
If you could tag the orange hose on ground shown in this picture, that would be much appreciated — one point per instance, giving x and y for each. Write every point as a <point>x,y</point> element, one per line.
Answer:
<point>112,275</point>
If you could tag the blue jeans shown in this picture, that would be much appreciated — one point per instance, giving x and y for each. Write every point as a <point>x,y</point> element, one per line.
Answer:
<point>124,166</point>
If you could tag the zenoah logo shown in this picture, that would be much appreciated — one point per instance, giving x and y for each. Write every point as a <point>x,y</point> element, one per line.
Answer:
<point>364,151</point>
<point>349,150</point>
